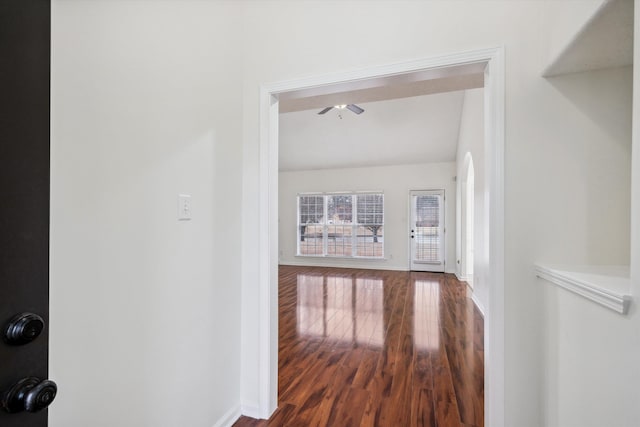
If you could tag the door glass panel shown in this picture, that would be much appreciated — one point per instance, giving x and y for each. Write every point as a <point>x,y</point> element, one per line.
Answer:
<point>428,238</point>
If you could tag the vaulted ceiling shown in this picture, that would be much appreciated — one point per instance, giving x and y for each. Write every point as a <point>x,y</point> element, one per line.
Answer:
<point>408,119</point>
<point>412,130</point>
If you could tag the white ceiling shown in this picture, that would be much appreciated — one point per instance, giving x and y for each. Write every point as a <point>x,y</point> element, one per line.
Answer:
<point>416,129</point>
<point>409,118</point>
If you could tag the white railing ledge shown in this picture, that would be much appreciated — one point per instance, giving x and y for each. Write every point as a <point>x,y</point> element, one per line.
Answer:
<point>607,285</point>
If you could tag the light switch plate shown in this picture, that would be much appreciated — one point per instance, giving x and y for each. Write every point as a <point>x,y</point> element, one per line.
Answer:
<point>184,207</point>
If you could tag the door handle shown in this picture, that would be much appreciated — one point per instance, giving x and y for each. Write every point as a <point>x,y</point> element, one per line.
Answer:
<point>23,328</point>
<point>30,394</point>
<point>412,231</point>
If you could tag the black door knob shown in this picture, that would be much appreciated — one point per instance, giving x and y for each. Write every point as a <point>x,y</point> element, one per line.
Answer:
<point>29,394</point>
<point>23,328</point>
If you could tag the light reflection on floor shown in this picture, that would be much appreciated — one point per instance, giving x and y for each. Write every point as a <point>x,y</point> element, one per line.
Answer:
<point>348,310</point>
<point>426,315</point>
<point>410,344</point>
<point>341,308</point>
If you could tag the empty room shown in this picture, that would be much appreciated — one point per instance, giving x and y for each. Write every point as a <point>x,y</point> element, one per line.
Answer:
<point>331,213</point>
<point>375,326</point>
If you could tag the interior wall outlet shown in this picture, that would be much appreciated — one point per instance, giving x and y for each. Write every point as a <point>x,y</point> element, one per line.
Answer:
<point>184,207</point>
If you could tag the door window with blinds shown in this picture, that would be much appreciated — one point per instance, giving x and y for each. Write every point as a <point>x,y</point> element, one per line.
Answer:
<point>341,225</point>
<point>427,230</point>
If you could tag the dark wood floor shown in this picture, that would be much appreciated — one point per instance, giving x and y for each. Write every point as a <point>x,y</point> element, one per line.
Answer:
<point>377,348</point>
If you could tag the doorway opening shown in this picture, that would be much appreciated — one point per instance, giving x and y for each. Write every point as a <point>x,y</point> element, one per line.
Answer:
<point>427,231</point>
<point>491,64</point>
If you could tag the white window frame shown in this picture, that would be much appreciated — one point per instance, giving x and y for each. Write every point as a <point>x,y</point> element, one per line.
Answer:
<point>325,224</point>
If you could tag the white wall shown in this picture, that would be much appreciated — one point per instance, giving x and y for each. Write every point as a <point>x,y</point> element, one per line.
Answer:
<point>145,310</point>
<point>146,104</point>
<point>590,353</point>
<point>539,139</point>
<point>471,141</point>
<point>395,182</point>
<point>635,211</point>
<point>575,210</point>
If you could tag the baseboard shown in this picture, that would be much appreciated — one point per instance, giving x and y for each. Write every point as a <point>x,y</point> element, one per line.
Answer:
<point>477,303</point>
<point>370,265</point>
<point>229,418</point>
<point>250,411</point>
<point>337,265</point>
<point>460,277</point>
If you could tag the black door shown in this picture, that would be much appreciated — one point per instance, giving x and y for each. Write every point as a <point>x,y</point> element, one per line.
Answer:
<point>24,212</point>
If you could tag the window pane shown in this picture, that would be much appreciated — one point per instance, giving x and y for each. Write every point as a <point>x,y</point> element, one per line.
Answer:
<point>371,209</point>
<point>311,240</point>
<point>310,229</point>
<point>370,233</point>
<point>370,241</point>
<point>427,236</point>
<point>339,219</point>
<point>311,209</point>
<point>339,209</point>
<point>339,241</point>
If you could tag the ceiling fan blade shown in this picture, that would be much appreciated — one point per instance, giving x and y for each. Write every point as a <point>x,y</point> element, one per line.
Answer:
<point>355,108</point>
<point>325,110</point>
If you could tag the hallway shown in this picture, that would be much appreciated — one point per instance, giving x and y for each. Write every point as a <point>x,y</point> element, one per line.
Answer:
<point>377,348</point>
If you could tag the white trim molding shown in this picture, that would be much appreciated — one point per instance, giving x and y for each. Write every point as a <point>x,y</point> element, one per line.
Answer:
<point>229,418</point>
<point>478,304</point>
<point>608,286</point>
<point>251,411</point>
<point>492,60</point>
<point>321,263</point>
<point>460,277</point>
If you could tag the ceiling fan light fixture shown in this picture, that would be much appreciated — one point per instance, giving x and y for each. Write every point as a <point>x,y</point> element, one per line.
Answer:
<point>352,107</point>
<point>355,109</point>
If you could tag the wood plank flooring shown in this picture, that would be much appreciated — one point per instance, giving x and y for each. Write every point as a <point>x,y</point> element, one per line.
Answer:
<point>377,348</point>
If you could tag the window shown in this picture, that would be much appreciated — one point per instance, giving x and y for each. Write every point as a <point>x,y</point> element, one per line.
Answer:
<point>370,223</point>
<point>341,225</point>
<point>310,221</point>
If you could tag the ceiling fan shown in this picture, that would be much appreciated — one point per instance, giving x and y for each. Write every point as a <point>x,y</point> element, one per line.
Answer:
<point>352,107</point>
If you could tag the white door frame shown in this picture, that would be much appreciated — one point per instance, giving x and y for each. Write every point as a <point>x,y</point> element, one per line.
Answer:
<point>268,216</point>
<point>467,215</point>
<point>443,226</point>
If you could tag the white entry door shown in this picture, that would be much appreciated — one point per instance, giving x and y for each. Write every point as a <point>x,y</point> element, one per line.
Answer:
<point>427,230</point>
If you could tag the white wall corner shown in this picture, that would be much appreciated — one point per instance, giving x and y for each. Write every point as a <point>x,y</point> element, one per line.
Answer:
<point>230,417</point>
<point>252,411</point>
<point>478,304</point>
<point>460,277</point>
